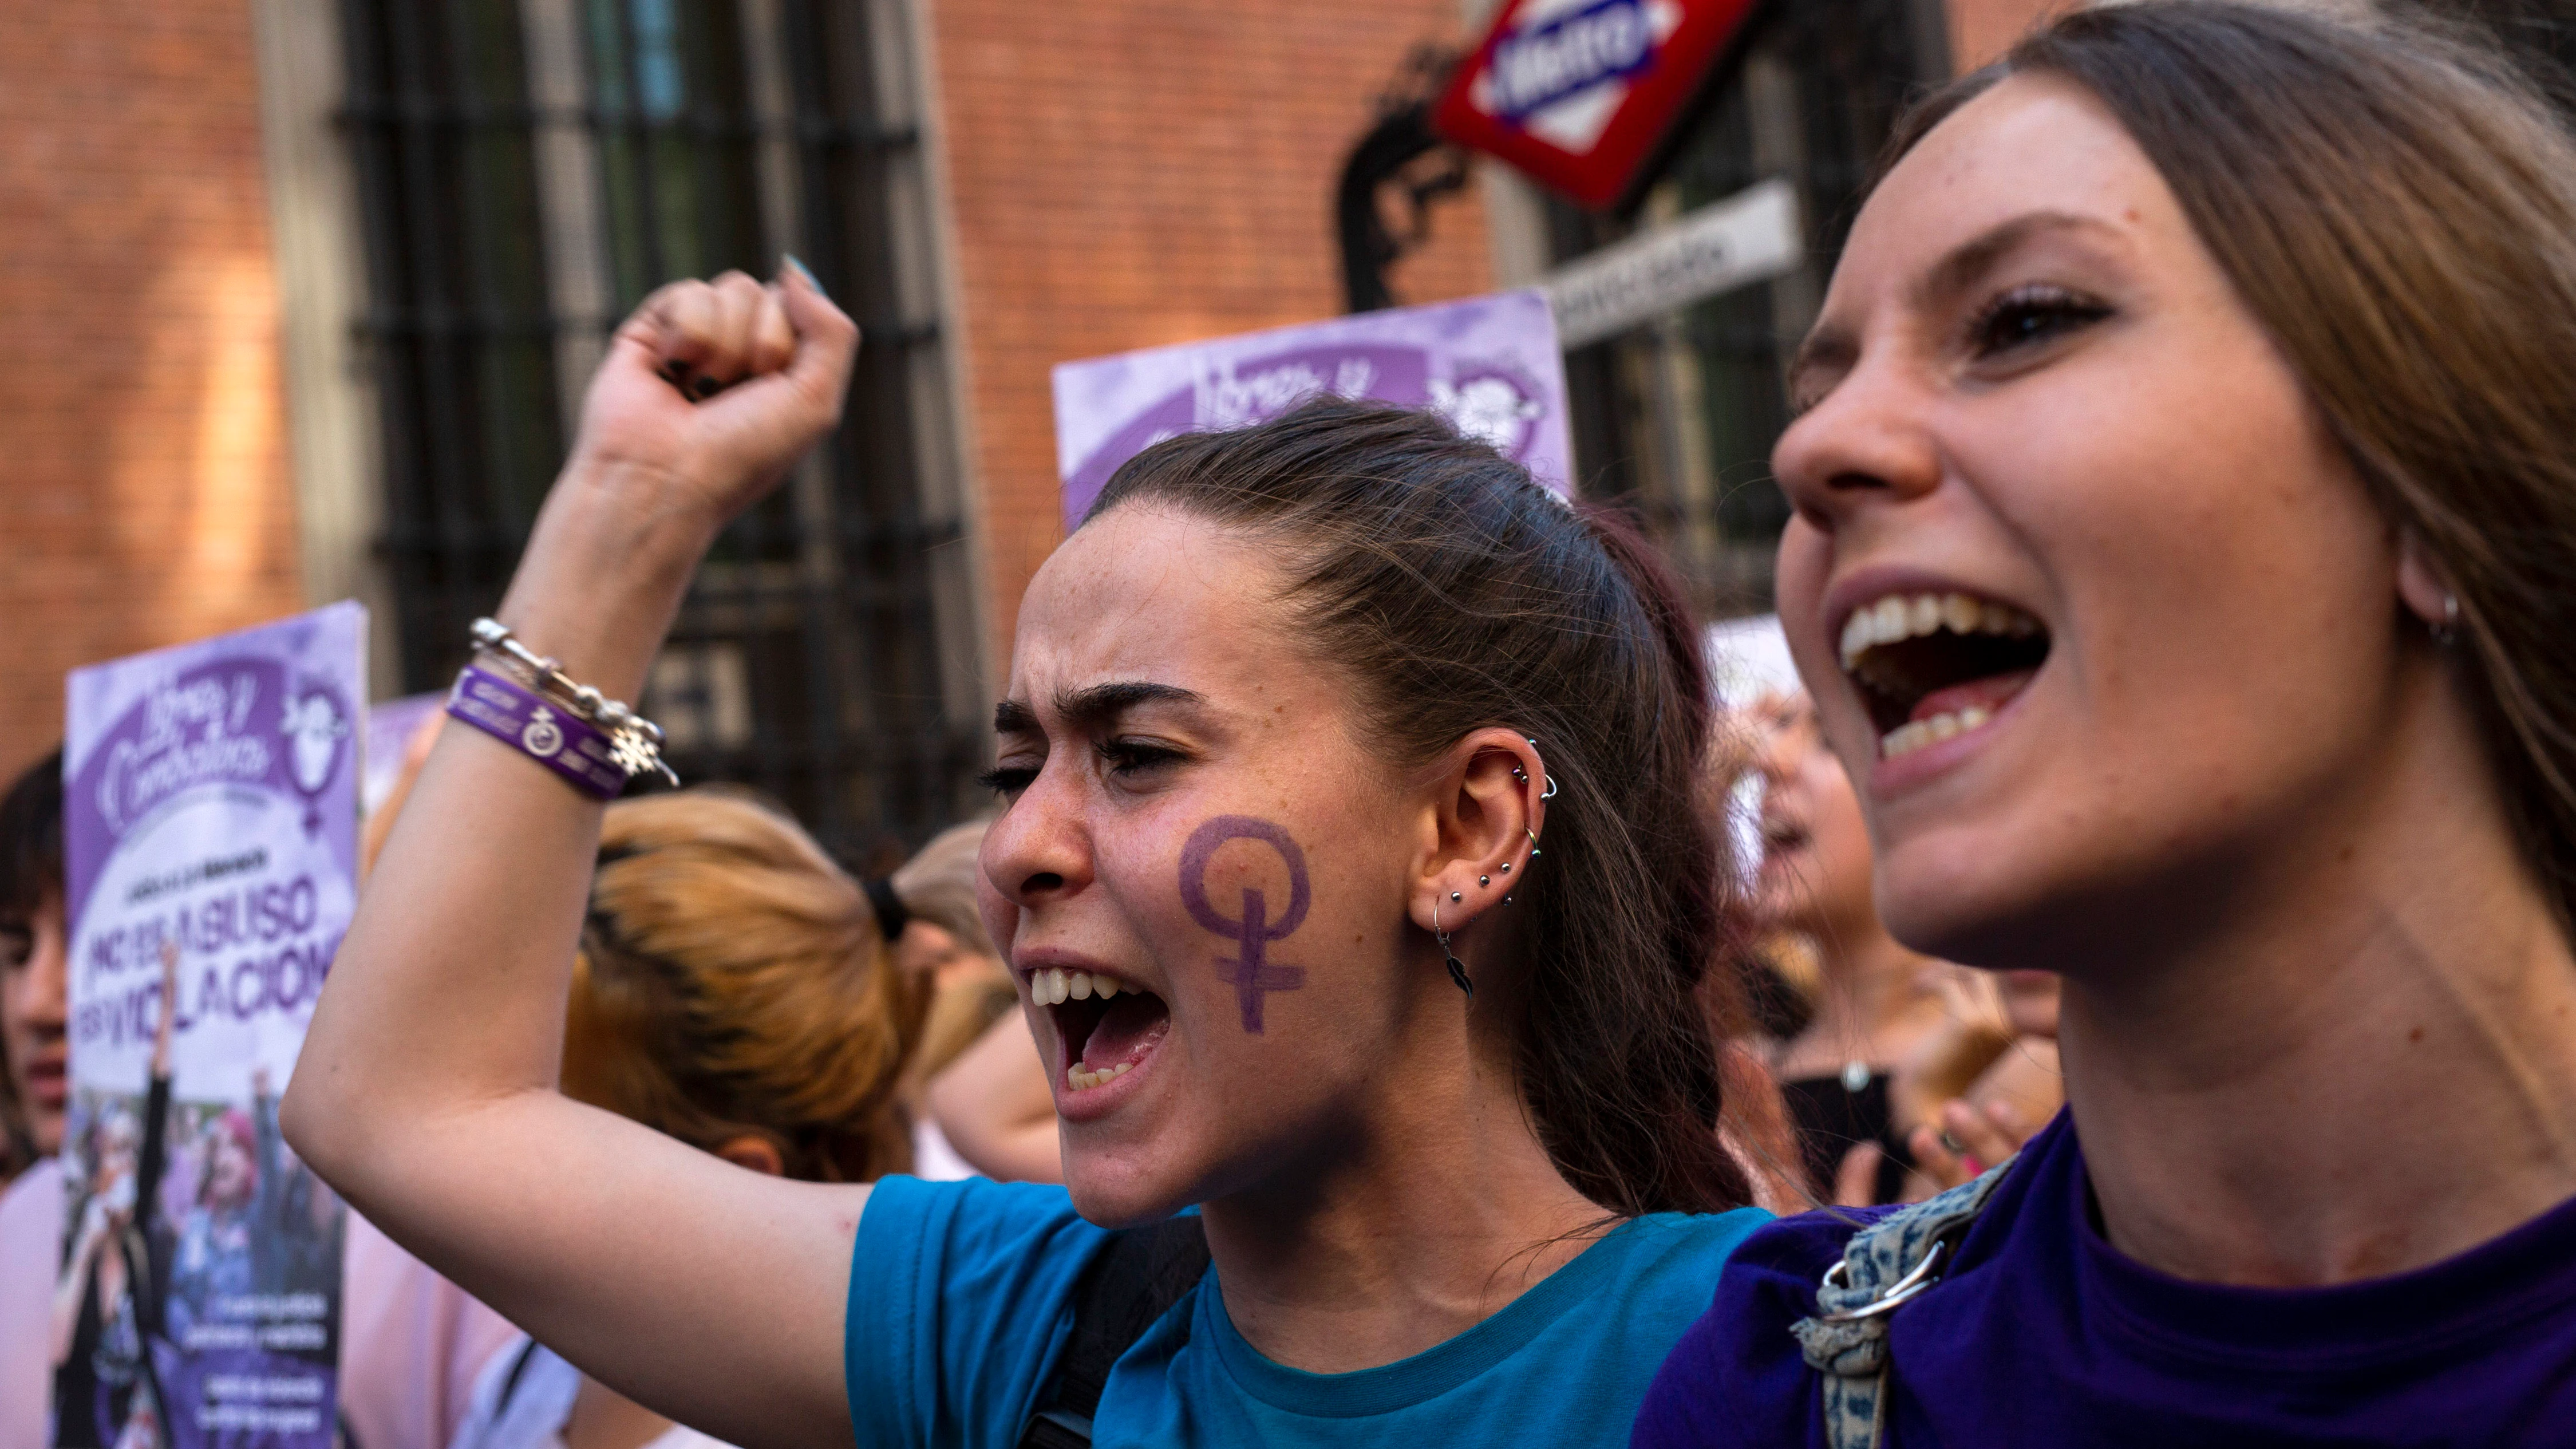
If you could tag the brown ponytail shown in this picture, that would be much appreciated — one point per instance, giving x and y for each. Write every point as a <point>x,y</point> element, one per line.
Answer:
<point>1456,594</point>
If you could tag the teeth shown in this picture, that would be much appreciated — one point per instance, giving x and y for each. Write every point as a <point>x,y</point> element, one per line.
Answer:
<point>1052,987</point>
<point>1083,1081</point>
<point>1894,618</point>
<point>1905,739</point>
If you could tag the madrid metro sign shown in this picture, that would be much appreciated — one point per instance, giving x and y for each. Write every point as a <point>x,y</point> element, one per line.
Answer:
<point>1578,93</point>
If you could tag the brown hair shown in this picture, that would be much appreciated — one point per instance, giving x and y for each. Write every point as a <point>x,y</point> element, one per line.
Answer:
<point>2397,206</point>
<point>1453,593</point>
<point>31,874</point>
<point>732,982</point>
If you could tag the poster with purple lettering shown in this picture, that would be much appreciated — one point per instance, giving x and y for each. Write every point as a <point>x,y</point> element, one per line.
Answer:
<point>1490,365</point>
<point>210,859</point>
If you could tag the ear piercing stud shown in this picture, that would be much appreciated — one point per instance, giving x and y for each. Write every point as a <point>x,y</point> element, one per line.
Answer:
<point>1484,880</point>
<point>1455,897</point>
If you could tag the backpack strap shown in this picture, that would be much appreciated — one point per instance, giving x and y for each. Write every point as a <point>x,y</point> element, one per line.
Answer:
<point>1885,1266</point>
<point>1143,1272</point>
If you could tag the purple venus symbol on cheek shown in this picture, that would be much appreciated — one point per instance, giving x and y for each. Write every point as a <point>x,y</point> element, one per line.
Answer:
<point>1250,971</point>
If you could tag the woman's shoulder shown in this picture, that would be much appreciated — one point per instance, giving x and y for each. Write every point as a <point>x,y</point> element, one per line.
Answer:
<point>967,1214</point>
<point>1737,1376</point>
<point>957,1294</point>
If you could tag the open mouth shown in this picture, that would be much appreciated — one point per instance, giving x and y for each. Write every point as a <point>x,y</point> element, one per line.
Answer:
<point>1107,1026</point>
<point>1933,666</point>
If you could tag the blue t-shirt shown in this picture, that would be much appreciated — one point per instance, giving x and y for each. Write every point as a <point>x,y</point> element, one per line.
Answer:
<point>2044,1334</point>
<point>961,1299</point>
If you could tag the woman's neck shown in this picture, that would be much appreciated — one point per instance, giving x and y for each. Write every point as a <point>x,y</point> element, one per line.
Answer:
<point>1433,1211</point>
<point>2367,1061</point>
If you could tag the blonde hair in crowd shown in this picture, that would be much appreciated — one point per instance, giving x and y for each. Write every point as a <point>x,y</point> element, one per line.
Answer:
<point>938,886</point>
<point>732,982</point>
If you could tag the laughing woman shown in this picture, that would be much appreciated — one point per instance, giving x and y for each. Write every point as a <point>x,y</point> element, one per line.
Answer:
<point>1354,877</point>
<point>2231,349</point>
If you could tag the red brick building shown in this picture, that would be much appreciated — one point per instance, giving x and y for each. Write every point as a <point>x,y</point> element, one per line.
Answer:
<point>305,288</point>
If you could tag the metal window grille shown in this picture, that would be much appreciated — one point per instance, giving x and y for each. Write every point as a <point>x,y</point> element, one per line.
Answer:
<point>1680,416</point>
<point>527,171</point>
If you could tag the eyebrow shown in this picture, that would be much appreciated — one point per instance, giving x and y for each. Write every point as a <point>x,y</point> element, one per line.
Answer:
<point>1092,706</point>
<point>1830,348</point>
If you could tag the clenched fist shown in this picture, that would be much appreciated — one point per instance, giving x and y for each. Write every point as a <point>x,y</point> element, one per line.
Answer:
<point>712,390</point>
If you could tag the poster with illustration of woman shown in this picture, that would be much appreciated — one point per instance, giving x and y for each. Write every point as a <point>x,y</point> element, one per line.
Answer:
<point>210,844</point>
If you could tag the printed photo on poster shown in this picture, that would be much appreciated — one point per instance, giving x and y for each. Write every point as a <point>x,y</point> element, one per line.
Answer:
<point>210,840</point>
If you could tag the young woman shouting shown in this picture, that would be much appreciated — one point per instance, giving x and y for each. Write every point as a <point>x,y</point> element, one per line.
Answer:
<point>2181,567</point>
<point>1353,870</point>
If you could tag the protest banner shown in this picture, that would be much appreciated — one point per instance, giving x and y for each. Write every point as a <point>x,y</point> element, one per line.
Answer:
<point>210,869</point>
<point>1490,365</point>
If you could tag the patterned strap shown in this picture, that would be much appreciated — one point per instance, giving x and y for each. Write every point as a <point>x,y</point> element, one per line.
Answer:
<point>1883,1267</point>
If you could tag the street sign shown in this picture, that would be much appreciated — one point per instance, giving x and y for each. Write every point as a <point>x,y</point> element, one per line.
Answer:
<point>1578,92</point>
<point>1750,237</point>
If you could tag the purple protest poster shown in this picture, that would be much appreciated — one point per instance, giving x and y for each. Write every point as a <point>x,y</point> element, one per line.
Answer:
<point>210,863</point>
<point>1488,364</point>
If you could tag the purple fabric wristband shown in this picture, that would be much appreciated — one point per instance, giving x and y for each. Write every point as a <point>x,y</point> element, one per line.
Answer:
<point>512,713</point>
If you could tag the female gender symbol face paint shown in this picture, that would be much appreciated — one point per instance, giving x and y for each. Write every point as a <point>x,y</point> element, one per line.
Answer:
<point>1249,970</point>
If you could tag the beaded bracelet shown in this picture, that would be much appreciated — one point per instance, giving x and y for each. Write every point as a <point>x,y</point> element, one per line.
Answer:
<point>595,742</point>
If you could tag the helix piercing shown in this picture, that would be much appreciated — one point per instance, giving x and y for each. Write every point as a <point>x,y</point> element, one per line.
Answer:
<point>1484,880</point>
<point>1457,968</point>
<point>1453,895</point>
<point>1533,835</point>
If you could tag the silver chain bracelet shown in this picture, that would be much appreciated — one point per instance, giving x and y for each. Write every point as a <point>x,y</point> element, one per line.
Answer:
<point>635,743</point>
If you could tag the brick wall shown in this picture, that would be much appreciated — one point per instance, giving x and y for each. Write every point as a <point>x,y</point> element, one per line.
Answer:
<point>1982,30</point>
<point>1126,173</point>
<point>144,494</point>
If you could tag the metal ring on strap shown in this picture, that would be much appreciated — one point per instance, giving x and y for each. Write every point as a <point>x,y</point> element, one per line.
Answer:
<point>1915,1281</point>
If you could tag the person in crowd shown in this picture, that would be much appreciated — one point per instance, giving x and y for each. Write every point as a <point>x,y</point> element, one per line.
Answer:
<point>33,1012</point>
<point>2183,525</point>
<point>977,1089</point>
<point>1972,1092</point>
<point>411,1342</point>
<point>733,991</point>
<point>1874,1002</point>
<point>110,1301</point>
<point>1290,719</point>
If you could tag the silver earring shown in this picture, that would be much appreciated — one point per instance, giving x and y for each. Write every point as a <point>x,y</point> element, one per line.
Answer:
<point>1457,968</point>
<point>2447,632</point>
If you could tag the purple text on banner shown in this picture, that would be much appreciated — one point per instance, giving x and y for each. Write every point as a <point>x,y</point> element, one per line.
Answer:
<point>1490,365</point>
<point>210,842</point>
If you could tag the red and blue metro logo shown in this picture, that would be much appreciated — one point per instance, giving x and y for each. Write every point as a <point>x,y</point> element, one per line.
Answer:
<point>1578,92</point>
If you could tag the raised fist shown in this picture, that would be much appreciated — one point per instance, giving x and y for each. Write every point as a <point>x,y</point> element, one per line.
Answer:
<point>712,390</point>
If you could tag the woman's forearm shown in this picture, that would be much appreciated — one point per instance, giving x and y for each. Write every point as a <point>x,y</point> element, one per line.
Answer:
<point>452,980</point>
<point>426,1088</point>
<point>68,1291</point>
